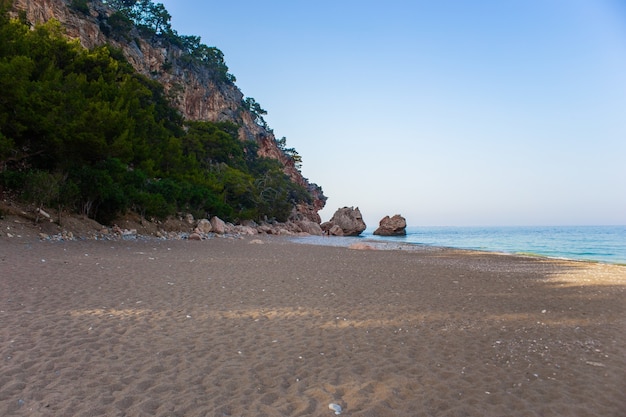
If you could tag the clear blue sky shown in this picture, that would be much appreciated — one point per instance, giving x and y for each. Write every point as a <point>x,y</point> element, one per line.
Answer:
<point>447,112</point>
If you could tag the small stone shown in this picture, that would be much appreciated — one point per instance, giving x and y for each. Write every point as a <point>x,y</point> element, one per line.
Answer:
<point>335,407</point>
<point>361,246</point>
<point>195,236</point>
<point>43,213</point>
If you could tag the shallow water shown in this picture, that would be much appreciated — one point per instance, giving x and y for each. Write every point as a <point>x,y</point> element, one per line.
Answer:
<point>589,243</point>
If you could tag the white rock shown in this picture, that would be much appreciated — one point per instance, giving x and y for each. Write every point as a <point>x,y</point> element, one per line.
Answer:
<point>43,213</point>
<point>335,407</point>
<point>204,226</point>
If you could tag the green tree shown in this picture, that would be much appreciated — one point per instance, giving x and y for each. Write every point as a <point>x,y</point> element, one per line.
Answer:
<point>257,111</point>
<point>210,144</point>
<point>42,188</point>
<point>291,153</point>
<point>80,5</point>
<point>121,4</point>
<point>108,140</point>
<point>120,25</point>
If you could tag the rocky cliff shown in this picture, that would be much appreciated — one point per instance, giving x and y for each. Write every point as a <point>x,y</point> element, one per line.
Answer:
<point>191,87</point>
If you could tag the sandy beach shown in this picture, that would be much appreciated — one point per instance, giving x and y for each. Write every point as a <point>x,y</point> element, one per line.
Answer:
<point>230,327</point>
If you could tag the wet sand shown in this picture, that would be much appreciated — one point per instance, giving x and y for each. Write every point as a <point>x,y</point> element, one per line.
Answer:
<point>232,328</point>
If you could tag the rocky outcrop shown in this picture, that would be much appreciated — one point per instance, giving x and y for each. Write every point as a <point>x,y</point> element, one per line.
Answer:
<point>192,88</point>
<point>305,212</point>
<point>309,227</point>
<point>18,222</point>
<point>348,219</point>
<point>391,226</point>
<point>217,226</point>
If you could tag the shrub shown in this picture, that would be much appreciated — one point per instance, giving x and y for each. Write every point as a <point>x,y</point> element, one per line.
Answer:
<point>80,5</point>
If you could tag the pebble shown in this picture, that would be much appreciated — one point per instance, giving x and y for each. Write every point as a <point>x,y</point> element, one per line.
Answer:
<point>335,407</point>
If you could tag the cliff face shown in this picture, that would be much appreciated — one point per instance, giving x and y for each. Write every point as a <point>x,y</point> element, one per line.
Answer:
<point>192,88</point>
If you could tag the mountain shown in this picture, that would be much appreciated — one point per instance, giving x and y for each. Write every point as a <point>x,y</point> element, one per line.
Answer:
<point>199,91</point>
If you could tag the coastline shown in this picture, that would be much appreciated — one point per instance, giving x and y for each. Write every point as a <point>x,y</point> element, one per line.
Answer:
<point>265,326</point>
<point>391,244</point>
<point>606,244</point>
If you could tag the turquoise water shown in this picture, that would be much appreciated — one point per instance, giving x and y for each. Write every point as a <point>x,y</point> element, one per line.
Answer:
<point>590,243</point>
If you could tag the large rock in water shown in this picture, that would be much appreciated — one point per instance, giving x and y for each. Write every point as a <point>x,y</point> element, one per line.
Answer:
<point>391,226</point>
<point>348,219</point>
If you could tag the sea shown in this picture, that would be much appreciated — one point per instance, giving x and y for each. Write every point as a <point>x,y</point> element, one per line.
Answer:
<point>606,244</point>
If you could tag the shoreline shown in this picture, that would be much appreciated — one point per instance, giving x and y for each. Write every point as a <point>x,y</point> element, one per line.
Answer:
<point>578,243</point>
<point>266,326</point>
<point>384,244</point>
<point>20,224</point>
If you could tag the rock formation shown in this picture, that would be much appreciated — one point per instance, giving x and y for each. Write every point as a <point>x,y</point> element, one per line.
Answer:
<point>391,226</point>
<point>218,225</point>
<point>309,227</point>
<point>204,226</point>
<point>348,220</point>
<point>192,88</point>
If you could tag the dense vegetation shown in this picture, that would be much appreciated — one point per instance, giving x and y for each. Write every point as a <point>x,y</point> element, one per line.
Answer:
<point>81,130</point>
<point>152,19</point>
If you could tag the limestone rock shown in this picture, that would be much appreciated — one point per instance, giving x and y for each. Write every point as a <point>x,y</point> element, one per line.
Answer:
<point>349,219</point>
<point>204,226</point>
<point>218,225</point>
<point>245,230</point>
<point>306,212</point>
<point>391,226</point>
<point>195,236</point>
<point>335,230</point>
<point>249,223</point>
<point>310,227</point>
<point>265,228</point>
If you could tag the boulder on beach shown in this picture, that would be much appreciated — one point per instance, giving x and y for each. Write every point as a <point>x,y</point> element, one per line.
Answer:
<point>195,236</point>
<point>348,219</point>
<point>310,227</point>
<point>391,226</point>
<point>204,226</point>
<point>335,230</point>
<point>245,230</point>
<point>218,225</point>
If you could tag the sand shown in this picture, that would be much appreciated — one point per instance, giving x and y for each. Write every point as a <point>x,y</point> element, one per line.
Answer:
<point>226,327</point>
